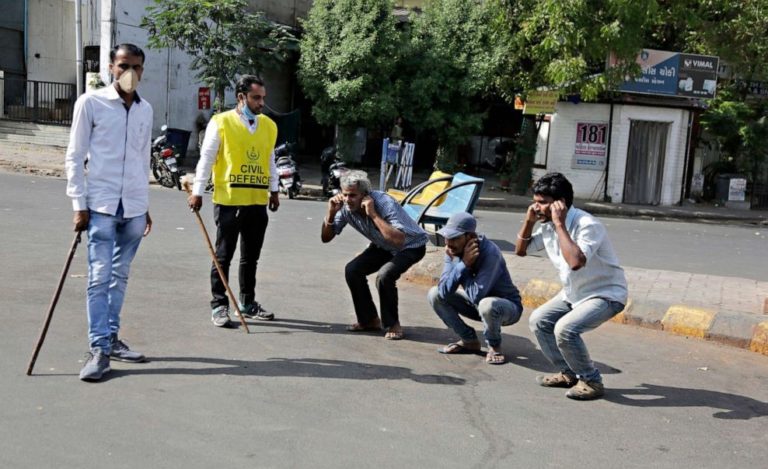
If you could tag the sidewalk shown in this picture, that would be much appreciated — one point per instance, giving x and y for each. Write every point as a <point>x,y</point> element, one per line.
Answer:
<point>732,311</point>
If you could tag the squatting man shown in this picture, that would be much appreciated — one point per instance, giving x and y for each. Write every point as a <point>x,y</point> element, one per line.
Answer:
<point>397,243</point>
<point>474,263</point>
<point>594,286</point>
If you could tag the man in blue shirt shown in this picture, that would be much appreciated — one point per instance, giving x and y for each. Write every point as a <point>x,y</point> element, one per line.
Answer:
<point>594,286</point>
<point>397,243</point>
<point>476,264</point>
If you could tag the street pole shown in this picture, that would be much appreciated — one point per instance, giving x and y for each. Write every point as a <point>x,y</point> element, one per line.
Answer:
<point>78,47</point>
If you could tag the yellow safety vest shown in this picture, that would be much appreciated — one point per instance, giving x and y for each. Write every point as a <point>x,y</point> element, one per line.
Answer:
<point>241,172</point>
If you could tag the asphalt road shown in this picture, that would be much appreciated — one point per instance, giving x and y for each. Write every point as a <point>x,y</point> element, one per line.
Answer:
<point>729,250</point>
<point>300,392</point>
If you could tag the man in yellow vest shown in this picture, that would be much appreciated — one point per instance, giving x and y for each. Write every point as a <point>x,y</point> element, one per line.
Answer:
<point>239,149</point>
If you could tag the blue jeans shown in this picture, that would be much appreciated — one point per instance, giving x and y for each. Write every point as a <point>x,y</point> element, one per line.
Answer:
<point>494,312</point>
<point>558,327</point>
<point>112,244</point>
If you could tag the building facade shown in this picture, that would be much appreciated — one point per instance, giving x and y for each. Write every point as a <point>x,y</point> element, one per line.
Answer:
<point>623,153</point>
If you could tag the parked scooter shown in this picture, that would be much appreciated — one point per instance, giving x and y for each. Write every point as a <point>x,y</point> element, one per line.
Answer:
<point>332,168</point>
<point>287,170</point>
<point>164,162</point>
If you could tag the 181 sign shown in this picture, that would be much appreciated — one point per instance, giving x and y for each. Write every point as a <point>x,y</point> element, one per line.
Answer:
<point>591,133</point>
<point>590,149</point>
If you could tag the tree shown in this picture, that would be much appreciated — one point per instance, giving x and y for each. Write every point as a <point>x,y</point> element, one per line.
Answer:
<point>349,56</point>
<point>444,73</point>
<point>222,36</point>
<point>564,44</point>
<point>735,32</point>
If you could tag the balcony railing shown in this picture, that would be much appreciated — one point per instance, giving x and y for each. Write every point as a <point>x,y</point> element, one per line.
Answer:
<point>43,102</point>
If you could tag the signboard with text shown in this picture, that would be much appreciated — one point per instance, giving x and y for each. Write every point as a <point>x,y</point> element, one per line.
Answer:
<point>203,98</point>
<point>541,102</point>
<point>590,149</point>
<point>674,74</point>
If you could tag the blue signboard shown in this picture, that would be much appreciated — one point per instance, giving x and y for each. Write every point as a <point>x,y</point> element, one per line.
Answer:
<point>674,74</point>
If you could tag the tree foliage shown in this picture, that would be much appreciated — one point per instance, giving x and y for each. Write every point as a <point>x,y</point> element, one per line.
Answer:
<point>358,68</point>
<point>445,70</point>
<point>735,32</point>
<point>741,131</point>
<point>564,44</point>
<point>349,57</point>
<point>222,36</point>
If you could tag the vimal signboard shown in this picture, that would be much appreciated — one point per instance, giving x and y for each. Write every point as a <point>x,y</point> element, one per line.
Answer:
<point>674,74</point>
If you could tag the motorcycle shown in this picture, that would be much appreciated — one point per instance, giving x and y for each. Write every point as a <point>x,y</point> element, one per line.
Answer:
<point>164,162</point>
<point>501,149</point>
<point>332,168</point>
<point>287,171</point>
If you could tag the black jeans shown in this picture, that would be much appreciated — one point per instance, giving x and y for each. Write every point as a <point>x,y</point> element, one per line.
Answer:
<point>249,223</point>
<point>389,268</point>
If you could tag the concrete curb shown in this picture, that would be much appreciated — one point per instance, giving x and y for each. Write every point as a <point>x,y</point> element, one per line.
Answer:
<point>737,329</point>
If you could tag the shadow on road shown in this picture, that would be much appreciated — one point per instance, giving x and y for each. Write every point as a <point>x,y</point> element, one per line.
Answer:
<point>651,395</point>
<point>289,367</point>
<point>519,350</point>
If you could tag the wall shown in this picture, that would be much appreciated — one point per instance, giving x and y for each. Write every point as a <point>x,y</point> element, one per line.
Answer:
<point>168,83</point>
<point>51,48</point>
<point>283,11</point>
<point>589,184</point>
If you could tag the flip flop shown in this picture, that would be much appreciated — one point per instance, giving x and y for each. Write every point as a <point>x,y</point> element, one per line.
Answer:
<point>392,335</point>
<point>456,348</point>
<point>494,358</point>
<point>357,327</point>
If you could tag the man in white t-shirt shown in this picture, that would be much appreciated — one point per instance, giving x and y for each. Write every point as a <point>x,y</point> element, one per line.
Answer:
<point>594,286</point>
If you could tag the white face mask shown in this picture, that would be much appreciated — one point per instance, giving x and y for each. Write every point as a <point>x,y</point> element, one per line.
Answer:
<point>129,81</point>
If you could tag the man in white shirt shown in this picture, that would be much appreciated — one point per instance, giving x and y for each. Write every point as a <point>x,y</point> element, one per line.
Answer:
<point>594,286</point>
<point>111,130</point>
<point>238,149</point>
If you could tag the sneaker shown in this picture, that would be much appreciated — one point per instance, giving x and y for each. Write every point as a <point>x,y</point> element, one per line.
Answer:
<point>586,390</point>
<point>96,364</point>
<point>220,316</point>
<point>121,352</point>
<point>255,311</point>
<point>557,380</point>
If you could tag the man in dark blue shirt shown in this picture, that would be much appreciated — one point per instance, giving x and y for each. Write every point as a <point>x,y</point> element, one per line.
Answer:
<point>476,264</point>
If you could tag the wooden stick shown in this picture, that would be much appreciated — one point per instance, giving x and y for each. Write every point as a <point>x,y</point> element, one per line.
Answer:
<point>52,306</point>
<point>223,278</point>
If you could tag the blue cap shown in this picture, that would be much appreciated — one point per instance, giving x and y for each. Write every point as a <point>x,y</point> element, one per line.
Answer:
<point>457,225</point>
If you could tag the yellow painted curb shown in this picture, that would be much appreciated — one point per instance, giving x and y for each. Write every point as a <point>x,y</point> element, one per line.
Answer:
<point>759,342</point>
<point>537,292</point>
<point>687,320</point>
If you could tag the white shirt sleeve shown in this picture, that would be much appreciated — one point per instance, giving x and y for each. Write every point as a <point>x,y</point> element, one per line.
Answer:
<point>77,149</point>
<point>208,152</point>
<point>273,178</point>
